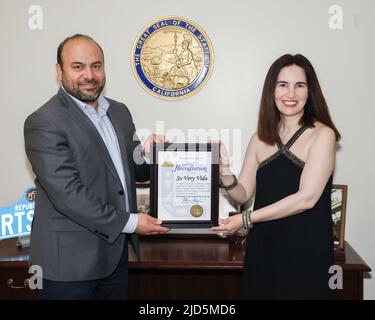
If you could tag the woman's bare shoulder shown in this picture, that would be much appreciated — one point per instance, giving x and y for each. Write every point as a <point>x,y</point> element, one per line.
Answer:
<point>321,134</point>
<point>255,142</point>
<point>321,130</point>
<point>260,149</point>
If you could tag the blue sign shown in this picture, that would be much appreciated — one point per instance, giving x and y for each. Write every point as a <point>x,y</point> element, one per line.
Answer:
<point>15,220</point>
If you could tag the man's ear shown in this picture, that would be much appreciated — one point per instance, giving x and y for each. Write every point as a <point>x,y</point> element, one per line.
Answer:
<point>59,71</point>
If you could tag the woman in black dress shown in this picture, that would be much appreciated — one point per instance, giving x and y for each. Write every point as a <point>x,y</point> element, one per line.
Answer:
<point>288,164</point>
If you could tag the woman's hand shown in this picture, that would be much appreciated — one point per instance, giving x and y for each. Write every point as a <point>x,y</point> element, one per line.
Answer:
<point>224,161</point>
<point>151,139</point>
<point>229,226</point>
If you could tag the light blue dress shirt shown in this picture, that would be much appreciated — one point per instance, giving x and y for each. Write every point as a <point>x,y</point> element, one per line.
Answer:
<point>105,128</point>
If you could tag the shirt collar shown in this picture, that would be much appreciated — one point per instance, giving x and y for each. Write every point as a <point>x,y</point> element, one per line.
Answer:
<point>103,104</point>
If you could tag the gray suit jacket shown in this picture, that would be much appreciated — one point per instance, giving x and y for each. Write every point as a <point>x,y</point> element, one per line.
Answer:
<point>80,206</point>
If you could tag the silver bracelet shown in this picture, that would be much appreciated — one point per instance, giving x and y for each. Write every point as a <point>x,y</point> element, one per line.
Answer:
<point>246,219</point>
<point>249,212</point>
<point>243,219</point>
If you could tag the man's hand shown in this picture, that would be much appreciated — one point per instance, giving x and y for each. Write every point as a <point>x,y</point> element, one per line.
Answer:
<point>151,139</point>
<point>148,225</point>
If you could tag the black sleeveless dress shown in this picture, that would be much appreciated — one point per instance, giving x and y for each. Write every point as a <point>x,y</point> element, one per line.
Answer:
<point>288,258</point>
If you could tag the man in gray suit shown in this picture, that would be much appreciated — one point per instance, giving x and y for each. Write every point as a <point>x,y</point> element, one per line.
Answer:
<point>86,157</point>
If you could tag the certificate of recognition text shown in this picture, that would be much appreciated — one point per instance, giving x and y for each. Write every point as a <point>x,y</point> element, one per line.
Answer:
<point>184,185</point>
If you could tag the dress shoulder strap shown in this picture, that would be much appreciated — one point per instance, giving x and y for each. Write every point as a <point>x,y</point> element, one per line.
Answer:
<point>294,138</point>
<point>279,144</point>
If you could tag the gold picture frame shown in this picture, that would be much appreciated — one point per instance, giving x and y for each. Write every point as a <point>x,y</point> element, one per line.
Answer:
<point>339,196</point>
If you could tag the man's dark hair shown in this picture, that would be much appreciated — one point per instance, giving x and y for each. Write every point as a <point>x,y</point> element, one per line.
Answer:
<point>76,36</point>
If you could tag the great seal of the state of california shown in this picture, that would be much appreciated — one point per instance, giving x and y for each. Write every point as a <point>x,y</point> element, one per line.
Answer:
<point>172,58</point>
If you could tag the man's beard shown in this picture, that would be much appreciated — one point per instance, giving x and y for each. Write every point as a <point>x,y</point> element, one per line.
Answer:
<point>76,92</point>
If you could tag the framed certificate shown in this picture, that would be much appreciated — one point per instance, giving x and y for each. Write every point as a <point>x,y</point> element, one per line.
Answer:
<point>184,185</point>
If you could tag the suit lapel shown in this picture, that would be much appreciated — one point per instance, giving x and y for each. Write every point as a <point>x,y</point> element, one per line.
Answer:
<point>78,115</point>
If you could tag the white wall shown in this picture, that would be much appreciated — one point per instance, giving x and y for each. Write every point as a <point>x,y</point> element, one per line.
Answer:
<point>247,37</point>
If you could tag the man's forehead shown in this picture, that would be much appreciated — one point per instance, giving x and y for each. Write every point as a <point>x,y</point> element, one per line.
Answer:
<point>81,47</point>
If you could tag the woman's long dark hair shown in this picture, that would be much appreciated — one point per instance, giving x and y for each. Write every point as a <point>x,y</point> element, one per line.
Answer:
<point>316,108</point>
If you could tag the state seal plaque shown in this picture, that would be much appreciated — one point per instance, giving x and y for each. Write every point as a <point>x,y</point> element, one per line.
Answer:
<point>172,58</point>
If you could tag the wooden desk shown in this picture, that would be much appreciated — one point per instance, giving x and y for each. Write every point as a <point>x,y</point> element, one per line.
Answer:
<point>173,268</point>
<point>211,269</point>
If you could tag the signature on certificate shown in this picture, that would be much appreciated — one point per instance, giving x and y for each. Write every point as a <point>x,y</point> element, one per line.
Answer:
<point>191,200</point>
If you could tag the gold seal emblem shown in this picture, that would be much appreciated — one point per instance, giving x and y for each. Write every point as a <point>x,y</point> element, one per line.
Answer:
<point>196,210</point>
<point>172,58</point>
